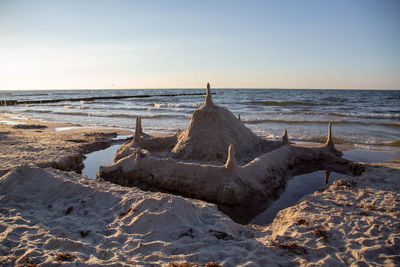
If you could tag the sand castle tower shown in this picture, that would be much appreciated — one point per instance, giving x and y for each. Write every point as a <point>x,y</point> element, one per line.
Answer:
<point>329,141</point>
<point>212,129</point>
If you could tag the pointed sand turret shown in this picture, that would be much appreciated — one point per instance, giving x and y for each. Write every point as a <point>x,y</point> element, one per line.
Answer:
<point>285,138</point>
<point>329,141</point>
<point>212,129</point>
<point>231,163</point>
<point>138,129</point>
<point>208,99</point>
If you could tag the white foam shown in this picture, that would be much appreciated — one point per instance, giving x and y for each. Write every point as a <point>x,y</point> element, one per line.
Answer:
<point>68,128</point>
<point>175,105</point>
<point>15,117</point>
<point>12,122</point>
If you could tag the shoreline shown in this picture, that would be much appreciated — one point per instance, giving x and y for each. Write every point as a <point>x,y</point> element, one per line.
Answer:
<point>391,144</point>
<point>39,143</point>
<point>353,221</point>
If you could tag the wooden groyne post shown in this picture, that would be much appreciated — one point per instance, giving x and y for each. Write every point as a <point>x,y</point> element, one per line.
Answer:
<point>44,101</point>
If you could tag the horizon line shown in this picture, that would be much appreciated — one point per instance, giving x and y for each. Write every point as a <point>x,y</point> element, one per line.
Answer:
<point>195,88</point>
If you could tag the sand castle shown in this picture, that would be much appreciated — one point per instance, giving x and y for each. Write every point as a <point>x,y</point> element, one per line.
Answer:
<point>218,159</point>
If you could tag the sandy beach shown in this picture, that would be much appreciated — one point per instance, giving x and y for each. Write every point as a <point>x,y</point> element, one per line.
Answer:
<point>51,215</point>
<point>199,133</point>
<point>49,144</point>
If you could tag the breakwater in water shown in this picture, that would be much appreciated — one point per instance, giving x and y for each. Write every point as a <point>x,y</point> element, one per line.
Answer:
<point>46,101</point>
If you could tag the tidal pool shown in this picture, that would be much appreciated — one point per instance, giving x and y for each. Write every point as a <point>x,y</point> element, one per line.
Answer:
<point>302,185</point>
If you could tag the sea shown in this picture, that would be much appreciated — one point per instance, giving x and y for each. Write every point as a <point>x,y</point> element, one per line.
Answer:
<point>364,118</point>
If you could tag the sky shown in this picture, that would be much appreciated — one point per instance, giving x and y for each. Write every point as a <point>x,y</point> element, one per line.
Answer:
<point>84,44</point>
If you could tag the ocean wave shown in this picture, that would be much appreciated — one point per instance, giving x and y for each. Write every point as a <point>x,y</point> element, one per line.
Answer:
<point>367,143</point>
<point>112,108</point>
<point>391,124</point>
<point>65,93</point>
<point>38,111</point>
<point>393,97</point>
<point>386,116</point>
<point>155,116</point>
<point>15,116</point>
<point>261,121</point>
<point>152,129</point>
<point>366,115</point>
<point>160,129</point>
<point>71,113</point>
<point>334,99</point>
<point>282,103</point>
<point>96,102</point>
<point>59,104</point>
<point>6,93</point>
<point>175,105</point>
<point>111,115</point>
<point>31,94</point>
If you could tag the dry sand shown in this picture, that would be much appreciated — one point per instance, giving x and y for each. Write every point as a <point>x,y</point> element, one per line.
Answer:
<point>52,217</point>
<point>354,221</point>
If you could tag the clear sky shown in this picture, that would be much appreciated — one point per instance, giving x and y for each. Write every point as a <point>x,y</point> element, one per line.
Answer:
<point>184,44</point>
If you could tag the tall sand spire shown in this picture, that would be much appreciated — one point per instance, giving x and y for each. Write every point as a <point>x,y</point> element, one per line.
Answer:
<point>231,163</point>
<point>140,125</point>
<point>138,129</point>
<point>329,141</point>
<point>210,132</point>
<point>285,137</point>
<point>208,95</point>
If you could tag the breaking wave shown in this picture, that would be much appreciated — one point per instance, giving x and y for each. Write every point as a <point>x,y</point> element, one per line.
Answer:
<point>282,103</point>
<point>176,105</point>
<point>334,99</point>
<point>366,115</point>
<point>111,115</point>
<point>261,121</point>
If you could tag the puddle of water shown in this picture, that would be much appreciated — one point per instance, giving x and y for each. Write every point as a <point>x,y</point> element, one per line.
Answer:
<point>121,137</point>
<point>306,184</point>
<point>96,159</point>
<point>368,156</point>
<point>296,188</point>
